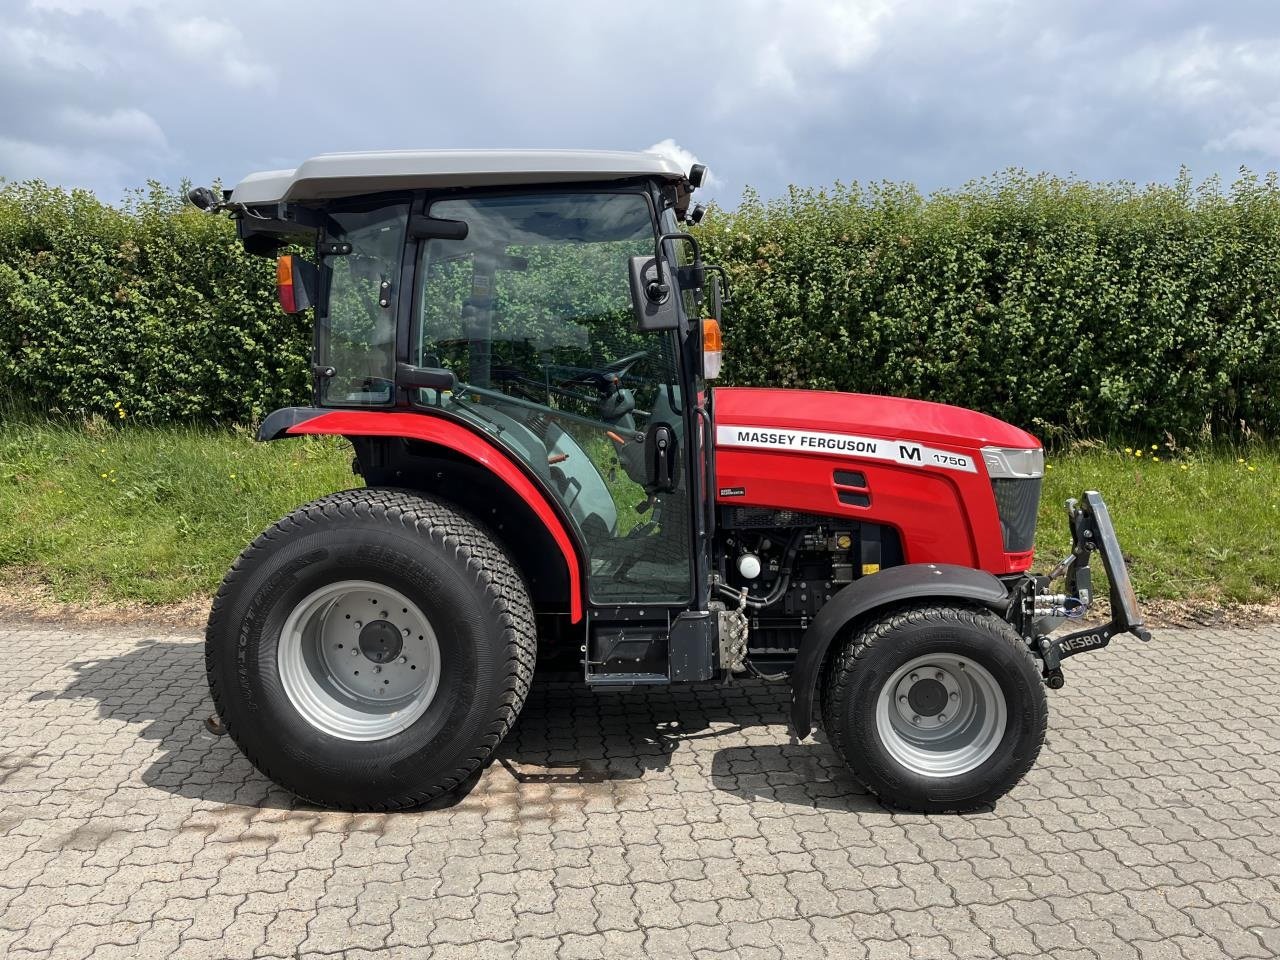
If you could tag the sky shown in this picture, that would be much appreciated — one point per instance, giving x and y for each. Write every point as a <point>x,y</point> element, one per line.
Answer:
<point>108,94</point>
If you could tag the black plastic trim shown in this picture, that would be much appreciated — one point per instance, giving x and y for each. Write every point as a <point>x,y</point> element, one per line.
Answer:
<point>851,478</point>
<point>278,422</point>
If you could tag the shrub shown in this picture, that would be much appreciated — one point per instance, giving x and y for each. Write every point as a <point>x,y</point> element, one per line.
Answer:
<point>1074,308</point>
<point>1069,307</point>
<point>153,307</point>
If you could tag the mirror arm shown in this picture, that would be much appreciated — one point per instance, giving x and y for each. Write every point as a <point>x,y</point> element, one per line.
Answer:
<point>726,296</point>
<point>659,287</point>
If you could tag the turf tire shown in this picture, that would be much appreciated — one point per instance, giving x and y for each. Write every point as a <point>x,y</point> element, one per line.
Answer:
<point>459,577</point>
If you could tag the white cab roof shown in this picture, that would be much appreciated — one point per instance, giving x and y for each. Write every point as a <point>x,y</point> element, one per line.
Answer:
<point>351,174</point>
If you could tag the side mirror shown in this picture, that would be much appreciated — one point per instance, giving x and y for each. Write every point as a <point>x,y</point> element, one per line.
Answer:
<point>296,283</point>
<point>652,298</point>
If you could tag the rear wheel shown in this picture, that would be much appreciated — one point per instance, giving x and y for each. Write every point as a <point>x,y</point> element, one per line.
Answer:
<point>935,708</point>
<point>371,650</point>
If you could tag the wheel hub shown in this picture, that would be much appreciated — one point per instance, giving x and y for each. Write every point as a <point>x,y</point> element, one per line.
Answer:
<point>927,697</point>
<point>941,715</point>
<point>929,694</point>
<point>354,678</point>
<point>381,641</point>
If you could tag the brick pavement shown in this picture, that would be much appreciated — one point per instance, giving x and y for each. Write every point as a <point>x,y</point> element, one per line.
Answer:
<point>651,823</point>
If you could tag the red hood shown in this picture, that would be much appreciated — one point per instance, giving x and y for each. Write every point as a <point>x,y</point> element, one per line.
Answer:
<point>863,413</point>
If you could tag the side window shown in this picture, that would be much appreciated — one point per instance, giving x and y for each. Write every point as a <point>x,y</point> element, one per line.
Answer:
<point>357,333</point>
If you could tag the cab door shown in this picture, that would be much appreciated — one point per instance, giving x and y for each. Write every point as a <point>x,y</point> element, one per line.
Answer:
<point>532,313</point>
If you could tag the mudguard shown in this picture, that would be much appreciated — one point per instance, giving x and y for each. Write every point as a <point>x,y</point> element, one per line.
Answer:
<point>908,582</point>
<point>299,421</point>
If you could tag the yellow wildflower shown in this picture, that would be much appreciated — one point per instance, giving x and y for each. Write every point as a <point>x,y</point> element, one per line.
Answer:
<point>1252,467</point>
<point>1155,459</point>
<point>1137,453</point>
<point>1184,466</point>
<point>1128,449</point>
<point>1155,447</point>
<point>1241,460</point>
<point>104,476</point>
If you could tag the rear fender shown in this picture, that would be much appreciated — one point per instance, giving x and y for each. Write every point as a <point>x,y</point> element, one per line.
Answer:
<point>302,421</point>
<point>911,581</point>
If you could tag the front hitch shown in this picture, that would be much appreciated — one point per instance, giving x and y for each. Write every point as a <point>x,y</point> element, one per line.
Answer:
<point>1091,531</point>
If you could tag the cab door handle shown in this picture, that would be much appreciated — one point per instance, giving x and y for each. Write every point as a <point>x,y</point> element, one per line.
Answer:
<point>662,460</point>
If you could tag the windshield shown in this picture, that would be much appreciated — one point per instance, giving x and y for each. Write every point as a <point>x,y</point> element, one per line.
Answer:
<point>532,312</point>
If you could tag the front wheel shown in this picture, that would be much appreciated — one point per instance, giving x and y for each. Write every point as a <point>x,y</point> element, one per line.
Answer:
<point>371,650</point>
<point>935,708</point>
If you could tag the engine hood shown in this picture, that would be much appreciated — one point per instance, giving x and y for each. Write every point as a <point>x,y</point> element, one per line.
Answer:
<point>890,418</point>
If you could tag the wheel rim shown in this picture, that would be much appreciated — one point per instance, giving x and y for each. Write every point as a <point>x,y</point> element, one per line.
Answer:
<point>359,660</point>
<point>941,715</point>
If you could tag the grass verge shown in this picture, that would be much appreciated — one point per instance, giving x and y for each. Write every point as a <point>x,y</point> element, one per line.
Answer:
<point>98,512</point>
<point>150,514</point>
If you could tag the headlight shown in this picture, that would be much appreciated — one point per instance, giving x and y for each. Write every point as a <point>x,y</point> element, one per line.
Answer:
<point>1016,475</point>
<point>1013,462</point>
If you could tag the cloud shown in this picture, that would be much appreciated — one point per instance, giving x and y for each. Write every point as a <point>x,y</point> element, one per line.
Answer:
<point>121,125</point>
<point>24,160</point>
<point>108,93</point>
<point>221,45</point>
<point>683,158</point>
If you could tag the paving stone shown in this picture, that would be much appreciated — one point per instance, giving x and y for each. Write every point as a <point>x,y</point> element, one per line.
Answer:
<point>659,823</point>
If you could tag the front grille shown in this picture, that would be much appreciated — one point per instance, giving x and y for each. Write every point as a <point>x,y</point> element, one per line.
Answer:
<point>1017,501</point>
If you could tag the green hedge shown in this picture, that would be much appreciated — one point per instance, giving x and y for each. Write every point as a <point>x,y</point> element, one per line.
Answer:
<point>1069,307</point>
<point>153,307</point>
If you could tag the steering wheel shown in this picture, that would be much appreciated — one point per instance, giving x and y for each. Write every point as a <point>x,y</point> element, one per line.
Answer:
<point>608,378</point>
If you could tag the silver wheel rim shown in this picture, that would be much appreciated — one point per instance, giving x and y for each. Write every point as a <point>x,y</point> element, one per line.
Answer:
<point>359,660</point>
<point>941,715</point>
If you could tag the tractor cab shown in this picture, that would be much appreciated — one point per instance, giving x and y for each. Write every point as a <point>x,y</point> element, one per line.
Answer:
<point>559,317</point>
<point>518,346</point>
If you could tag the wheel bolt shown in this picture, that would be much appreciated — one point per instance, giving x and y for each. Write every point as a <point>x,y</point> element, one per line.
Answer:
<point>357,624</point>
<point>915,677</point>
<point>377,669</point>
<point>954,695</point>
<point>405,631</point>
<point>355,652</point>
<point>939,675</point>
<point>915,719</point>
<point>404,660</point>
<point>902,699</point>
<point>941,717</point>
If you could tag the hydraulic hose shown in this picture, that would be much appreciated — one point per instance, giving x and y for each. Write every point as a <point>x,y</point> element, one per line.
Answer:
<point>779,587</point>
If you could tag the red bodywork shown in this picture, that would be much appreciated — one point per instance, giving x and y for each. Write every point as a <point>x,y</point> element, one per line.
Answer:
<point>781,449</point>
<point>360,423</point>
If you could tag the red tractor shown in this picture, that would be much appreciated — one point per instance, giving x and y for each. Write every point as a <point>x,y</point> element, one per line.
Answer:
<point>515,344</point>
